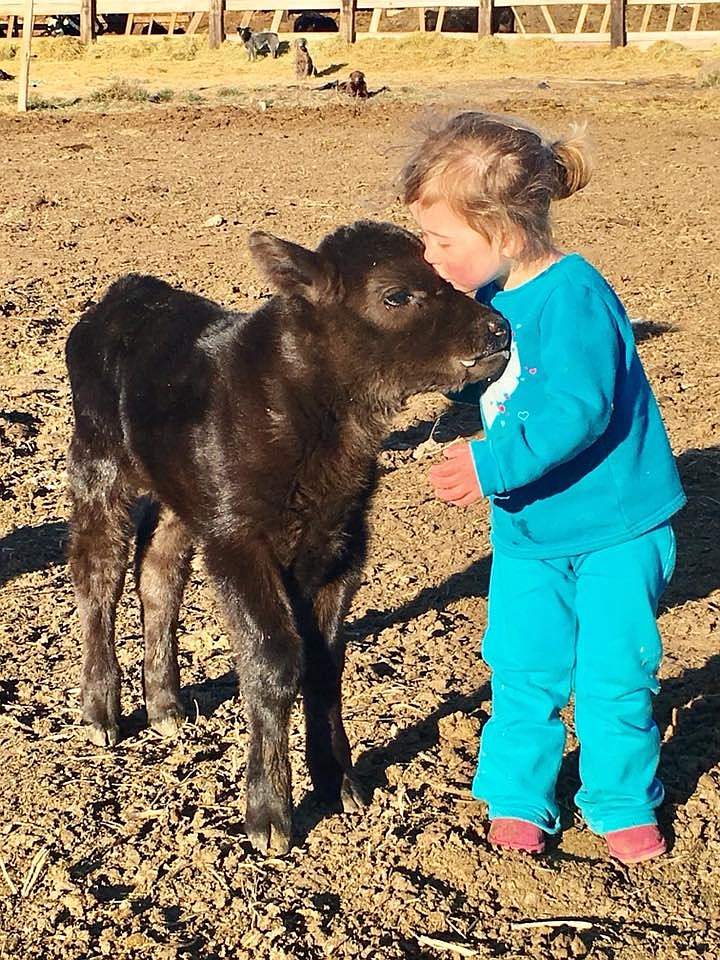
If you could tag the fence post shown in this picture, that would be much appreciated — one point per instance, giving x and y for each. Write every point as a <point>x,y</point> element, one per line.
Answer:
<point>24,72</point>
<point>88,14</point>
<point>216,23</point>
<point>347,20</point>
<point>485,18</point>
<point>618,23</point>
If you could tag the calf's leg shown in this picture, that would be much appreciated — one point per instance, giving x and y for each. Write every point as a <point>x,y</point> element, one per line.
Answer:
<point>327,746</point>
<point>97,558</point>
<point>162,565</point>
<point>269,661</point>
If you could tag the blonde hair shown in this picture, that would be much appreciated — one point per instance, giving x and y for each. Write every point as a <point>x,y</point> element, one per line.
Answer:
<point>497,175</point>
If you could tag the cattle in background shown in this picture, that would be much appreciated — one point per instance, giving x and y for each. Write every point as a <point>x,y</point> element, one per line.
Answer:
<point>68,25</point>
<point>310,21</point>
<point>256,437</point>
<point>115,22</point>
<point>63,25</point>
<point>465,20</point>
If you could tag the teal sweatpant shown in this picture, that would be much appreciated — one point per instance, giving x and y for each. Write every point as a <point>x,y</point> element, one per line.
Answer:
<point>585,624</point>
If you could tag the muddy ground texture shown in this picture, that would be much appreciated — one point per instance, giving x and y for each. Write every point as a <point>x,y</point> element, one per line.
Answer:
<point>139,852</point>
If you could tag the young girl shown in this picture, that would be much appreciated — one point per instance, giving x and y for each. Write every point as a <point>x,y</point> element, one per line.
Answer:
<point>581,479</point>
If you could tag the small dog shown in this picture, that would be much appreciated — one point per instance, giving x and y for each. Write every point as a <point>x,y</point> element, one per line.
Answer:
<point>303,61</point>
<point>257,42</point>
<point>355,86</point>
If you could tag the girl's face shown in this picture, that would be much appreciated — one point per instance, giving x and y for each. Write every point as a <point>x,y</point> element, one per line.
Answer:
<point>461,255</point>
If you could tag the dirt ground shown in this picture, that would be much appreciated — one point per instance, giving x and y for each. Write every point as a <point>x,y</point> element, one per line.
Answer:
<point>139,852</point>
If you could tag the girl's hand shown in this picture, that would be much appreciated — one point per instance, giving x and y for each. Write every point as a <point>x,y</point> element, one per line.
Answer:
<point>455,480</point>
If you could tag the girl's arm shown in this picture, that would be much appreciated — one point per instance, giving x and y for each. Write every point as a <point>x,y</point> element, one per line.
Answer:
<point>581,351</point>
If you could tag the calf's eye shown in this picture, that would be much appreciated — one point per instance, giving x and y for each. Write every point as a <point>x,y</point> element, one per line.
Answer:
<point>397,298</point>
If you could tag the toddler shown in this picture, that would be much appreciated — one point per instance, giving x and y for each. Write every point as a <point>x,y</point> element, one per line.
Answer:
<point>581,480</point>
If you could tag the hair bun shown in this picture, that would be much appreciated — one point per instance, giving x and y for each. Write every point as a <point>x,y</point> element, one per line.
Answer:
<point>574,162</point>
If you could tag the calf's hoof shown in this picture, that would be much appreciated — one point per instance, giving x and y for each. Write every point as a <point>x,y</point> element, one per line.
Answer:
<point>100,704</point>
<point>268,833</point>
<point>271,842</point>
<point>168,725</point>
<point>351,796</point>
<point>165,714</point>
<point>101,735</point>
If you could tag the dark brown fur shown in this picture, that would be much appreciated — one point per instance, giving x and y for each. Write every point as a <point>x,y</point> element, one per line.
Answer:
<point>256,437</point>
<point>303,61</point>
<point>355,86</point>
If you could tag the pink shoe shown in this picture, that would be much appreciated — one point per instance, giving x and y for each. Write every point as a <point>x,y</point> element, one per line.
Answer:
<point>516,835</point>
<point>635,844</point>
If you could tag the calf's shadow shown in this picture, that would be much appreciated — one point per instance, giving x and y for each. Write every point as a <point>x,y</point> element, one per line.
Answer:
<point>28,549</point>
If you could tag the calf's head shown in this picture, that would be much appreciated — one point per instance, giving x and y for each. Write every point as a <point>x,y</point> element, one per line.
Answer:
<point>390,323</point>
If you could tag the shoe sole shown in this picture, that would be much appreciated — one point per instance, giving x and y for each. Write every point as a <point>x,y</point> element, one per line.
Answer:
<point>511,846</point>
<point>640,857</point>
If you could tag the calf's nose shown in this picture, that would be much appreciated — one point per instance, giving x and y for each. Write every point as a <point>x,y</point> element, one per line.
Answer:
<point>499,328</point>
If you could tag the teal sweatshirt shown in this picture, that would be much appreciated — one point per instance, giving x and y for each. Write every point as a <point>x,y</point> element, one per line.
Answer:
<point>575,456</point>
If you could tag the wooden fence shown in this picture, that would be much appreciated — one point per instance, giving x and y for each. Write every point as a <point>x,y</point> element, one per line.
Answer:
<point>595,21</point>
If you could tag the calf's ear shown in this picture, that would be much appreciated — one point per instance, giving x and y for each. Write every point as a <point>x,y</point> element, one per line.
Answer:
<point>292,269</point>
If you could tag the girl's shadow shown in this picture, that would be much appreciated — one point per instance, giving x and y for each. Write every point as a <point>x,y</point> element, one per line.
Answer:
<point>687,709</point>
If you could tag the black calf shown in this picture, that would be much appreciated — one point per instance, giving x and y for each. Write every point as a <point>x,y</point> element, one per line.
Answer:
<point>465,20</point>
<point>256,436</point>
<point>310,21</point>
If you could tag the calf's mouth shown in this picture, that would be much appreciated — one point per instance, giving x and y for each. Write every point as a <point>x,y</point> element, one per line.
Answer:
<point>487,366</point>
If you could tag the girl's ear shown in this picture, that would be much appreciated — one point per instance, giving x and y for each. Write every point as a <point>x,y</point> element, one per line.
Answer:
<point>513,245</point>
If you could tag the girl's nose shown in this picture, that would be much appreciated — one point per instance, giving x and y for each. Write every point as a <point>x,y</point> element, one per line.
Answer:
<point>428,255</point>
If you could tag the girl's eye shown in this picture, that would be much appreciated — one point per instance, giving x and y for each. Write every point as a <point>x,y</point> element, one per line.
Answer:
<point>397,298</point>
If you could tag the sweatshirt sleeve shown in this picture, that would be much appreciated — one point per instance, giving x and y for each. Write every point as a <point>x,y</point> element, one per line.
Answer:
<point>572,399</point>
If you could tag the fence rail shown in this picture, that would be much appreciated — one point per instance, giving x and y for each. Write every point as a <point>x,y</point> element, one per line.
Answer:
<point>591,21</point>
